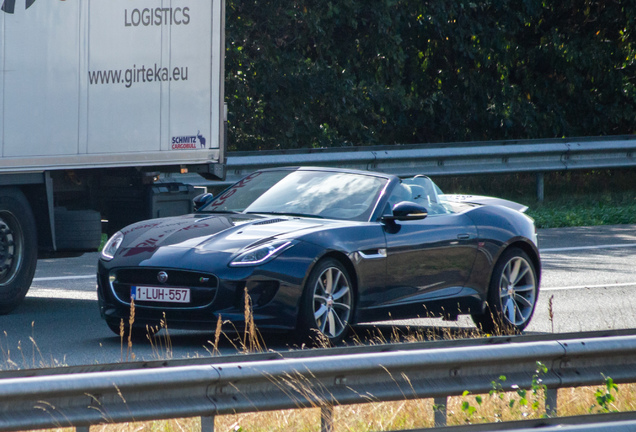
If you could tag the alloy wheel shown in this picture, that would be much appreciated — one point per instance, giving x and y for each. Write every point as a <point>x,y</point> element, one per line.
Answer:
<point>517,291</point>
<point>332,302</point>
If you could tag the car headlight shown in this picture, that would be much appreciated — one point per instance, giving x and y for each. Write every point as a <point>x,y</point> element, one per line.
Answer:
<point>111,246</point>
<point>261,253</point>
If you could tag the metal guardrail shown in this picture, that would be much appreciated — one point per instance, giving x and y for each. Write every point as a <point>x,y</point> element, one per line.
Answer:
<point>534,156</point>
<point>363,331</point>
<point>452,159</point>
<point>83,399</point>
<point>464,158</point>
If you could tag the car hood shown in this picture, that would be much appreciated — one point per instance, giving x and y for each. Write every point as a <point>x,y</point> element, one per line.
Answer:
<point>220,233</point>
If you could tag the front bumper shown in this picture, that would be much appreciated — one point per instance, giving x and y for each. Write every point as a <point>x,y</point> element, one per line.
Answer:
<point>273,297</point>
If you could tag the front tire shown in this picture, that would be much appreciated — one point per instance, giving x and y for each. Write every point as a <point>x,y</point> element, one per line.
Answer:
<point>18,248</point>
<point>327,304</point>
<point>512,295</point>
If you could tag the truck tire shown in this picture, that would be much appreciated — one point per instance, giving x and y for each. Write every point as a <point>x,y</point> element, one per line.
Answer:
<point>77,230</point>
<point>18,248</point>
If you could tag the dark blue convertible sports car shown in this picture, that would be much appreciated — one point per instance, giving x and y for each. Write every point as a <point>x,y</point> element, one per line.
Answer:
<point>319,249</point>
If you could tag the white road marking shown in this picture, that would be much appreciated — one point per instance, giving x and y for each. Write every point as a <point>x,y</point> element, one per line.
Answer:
<point>56,278</point>
<point>575,287</point>
<point>581,248</point>
<point>58,293</point>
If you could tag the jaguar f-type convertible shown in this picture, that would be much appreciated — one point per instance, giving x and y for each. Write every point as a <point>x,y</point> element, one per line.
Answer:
<point>316,250</point>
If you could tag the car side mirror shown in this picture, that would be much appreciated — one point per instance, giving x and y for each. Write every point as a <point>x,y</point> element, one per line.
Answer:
<point>202,200</point>
<point>406,210</point>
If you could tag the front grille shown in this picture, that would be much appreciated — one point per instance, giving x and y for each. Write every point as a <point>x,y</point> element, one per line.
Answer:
<point>203,286</point>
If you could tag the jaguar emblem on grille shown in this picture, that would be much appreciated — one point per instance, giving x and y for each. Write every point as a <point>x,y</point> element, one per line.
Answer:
<point>162,277</point>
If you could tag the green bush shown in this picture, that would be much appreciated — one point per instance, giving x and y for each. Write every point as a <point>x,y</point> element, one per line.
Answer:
<point>310,73</point>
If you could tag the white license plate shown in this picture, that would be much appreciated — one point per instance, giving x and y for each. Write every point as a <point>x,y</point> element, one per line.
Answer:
<point>160,294</point>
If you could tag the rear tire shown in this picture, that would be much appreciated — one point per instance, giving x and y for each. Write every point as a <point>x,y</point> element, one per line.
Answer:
<point>327,305</point>
<point>18,248</point>
<point>512,295</point>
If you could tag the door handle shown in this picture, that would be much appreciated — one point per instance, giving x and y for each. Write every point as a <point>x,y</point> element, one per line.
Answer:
<point>463,236</point>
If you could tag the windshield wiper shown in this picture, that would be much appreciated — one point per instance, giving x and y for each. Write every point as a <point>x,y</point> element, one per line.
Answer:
<point>286,214</point>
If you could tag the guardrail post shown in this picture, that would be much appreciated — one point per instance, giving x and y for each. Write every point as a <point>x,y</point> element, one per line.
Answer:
<point>551,400</point>
<point>439,411</point>
<point>326,418</point>
<point>540,187</point>
<point>207,424</point>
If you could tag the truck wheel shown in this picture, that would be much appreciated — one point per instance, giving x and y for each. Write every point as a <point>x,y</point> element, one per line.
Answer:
<point>79,230</point>
<point>18,248</point>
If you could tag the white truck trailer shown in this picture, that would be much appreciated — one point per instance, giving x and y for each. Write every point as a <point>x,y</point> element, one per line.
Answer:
<point>97,99</point>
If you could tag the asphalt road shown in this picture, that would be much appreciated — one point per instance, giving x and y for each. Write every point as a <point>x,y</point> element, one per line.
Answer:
<point>588,283</point>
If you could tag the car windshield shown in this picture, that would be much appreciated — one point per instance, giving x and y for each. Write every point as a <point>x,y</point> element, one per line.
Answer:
<point>326,194</point>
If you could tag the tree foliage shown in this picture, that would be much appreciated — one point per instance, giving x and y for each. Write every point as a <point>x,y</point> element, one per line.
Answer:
<point>317,73</point>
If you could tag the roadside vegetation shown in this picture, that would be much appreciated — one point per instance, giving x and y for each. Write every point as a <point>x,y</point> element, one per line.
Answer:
<point>589,210</point>
<point>309,74</point>
<point>492,407</point>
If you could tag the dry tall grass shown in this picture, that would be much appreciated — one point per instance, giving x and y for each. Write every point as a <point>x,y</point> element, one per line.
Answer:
<point>400,415</point>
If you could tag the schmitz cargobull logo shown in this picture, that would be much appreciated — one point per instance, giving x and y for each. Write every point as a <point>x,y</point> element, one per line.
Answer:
<point>189,142</point>
<point>8,6</point>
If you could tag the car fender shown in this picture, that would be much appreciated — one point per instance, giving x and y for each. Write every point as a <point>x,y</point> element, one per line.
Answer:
<point>345,244</point>
<point>500,228</point>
